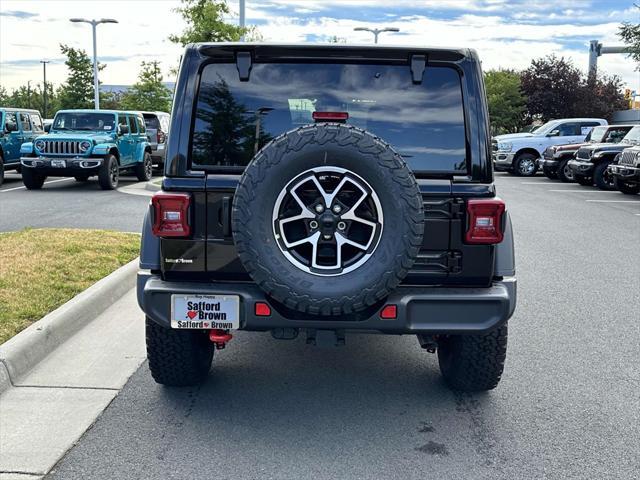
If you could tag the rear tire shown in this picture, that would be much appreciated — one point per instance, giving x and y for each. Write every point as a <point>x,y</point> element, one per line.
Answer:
<point>602,178</point>
<point>565,174</point>
<point>584,181</point>
<point>525,165</point>
<point>472,363</point>
<point>178,358</point>
<point>109,173</point>
<point>627,188</point>
<point>144,170</point>
<point>32,179</point>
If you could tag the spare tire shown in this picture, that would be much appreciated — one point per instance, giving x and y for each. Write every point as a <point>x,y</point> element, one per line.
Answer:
<point>327,219</point>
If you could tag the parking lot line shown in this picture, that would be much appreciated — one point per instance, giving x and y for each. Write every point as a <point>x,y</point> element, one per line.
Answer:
<point>537,183</point>
<point>45,183</point>
<point>582,191</point>
<point>614,201</point>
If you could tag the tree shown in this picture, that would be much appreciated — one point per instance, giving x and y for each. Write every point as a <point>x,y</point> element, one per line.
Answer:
<point>601,96</point>
<point>30,96</point>
<point>205,23</point>
<point>4,96</point>
<point>77,91</point>
<point>630,34</point>
<point>507,104</point>
<point>148,93</point>
<point>552,86</point>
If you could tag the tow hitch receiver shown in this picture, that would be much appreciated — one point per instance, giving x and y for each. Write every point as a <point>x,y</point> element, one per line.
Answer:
<point>220,337</point>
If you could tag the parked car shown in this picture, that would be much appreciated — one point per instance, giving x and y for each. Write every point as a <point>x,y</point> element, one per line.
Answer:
<point>86,143</point>
<point>300,207</point>
<point>19,125</point>
<point>518,153</point>
<point>157,124</point>
<point>591,162</point>
<point>625,171</point>
<point>555,159</point>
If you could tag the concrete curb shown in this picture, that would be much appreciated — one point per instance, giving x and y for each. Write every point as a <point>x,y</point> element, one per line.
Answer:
<point>21,353</point>
<point>152,187</point>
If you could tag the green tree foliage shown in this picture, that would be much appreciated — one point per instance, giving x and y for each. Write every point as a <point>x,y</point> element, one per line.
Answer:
<point>555,88</point>
<point>507,104</point>
<point>205,23</point>
<point>148,93</point>
<point>552,87</point>
<point>31,96</point>
<point>77,91</point>
<point>630,34</point>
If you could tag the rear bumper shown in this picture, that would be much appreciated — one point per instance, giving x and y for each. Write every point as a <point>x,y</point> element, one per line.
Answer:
<point>626,173</point>
<point>581,167</point>
<point>427,310</point>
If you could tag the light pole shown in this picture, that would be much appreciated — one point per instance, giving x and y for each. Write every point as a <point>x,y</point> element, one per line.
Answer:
<point>242,19</point>
<point>376,31</point>
<point>44,92</point>
<point>94,24</point>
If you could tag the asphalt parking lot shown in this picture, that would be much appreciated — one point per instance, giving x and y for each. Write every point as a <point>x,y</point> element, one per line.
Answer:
<point>63,202</point>
<point>567,406</point>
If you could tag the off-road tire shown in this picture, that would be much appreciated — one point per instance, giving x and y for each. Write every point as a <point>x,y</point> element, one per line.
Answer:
<point>582,180</point>
<point>144,170</point>
<point>626,188</point>
<point>518,168</point>
<point>108,175</point>
<point>81,178</point>
<point>472,363</point>
<point>32,179</point>
<point>339,146</point>
<point>549,173</point>
<point>600,177</point>
<point>178,358</point>
<point>1,170</point>
<point>562,171</point>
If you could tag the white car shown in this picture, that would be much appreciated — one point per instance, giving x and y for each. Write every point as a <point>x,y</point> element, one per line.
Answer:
<point>518,153</point>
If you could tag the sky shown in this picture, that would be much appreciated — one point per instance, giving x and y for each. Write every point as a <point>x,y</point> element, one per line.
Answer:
<point>506,33</point>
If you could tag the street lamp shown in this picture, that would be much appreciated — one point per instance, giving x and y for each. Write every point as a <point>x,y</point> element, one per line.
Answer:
<point>94,24</point>
<point>44,92</point>
<point>376,31</point>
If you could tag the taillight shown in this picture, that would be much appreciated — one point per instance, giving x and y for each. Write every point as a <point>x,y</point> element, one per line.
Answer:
<point>170,214</point>
<point>161,136</point>
<point>485,221</point>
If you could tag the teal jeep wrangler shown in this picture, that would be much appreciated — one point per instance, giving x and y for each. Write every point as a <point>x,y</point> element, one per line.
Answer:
<point>85,143</point>
<point>17,125</point>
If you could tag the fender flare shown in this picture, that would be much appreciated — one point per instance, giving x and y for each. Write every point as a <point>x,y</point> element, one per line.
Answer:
<point>26,147</point>
<point>140,149</point>
<point>103,148</point>
<point>149,246</point>
<point>504,263</point>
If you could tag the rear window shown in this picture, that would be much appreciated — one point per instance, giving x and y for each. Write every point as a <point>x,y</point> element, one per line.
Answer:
<point>424,122</point>
<point>151,121</point>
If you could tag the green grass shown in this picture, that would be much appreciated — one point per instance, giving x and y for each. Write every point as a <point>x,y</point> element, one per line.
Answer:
<point>40,269</point>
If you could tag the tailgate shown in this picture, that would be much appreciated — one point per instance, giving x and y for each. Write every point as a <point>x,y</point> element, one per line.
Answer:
<point>444,258</point>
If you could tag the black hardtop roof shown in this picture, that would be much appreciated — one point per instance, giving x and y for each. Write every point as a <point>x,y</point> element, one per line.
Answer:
<point>335,51</point>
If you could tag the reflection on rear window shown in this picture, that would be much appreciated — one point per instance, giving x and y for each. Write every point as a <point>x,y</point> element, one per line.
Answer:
<point>424,123</point>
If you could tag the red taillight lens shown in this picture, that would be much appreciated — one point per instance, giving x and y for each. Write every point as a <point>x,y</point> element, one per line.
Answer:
<point>389,312</point>
<point>262,309</point>
<point>161,136</point>
<point>171,214</point>
<point>485,221</point>
<point>330,116</point>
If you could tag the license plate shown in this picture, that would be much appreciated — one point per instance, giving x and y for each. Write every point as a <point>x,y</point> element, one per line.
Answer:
<point>205,311</point>
<point>59,163</point>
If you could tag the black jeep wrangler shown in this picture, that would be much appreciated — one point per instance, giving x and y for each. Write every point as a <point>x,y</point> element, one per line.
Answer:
<point>325,190</point>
